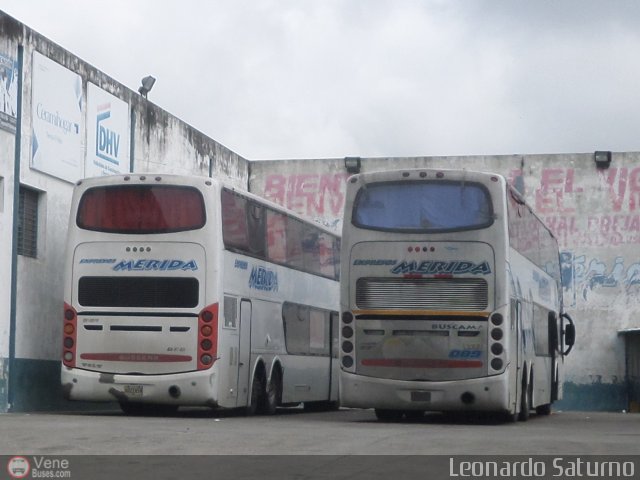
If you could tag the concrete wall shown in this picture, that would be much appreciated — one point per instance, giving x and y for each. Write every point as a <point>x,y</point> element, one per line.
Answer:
<point>30,332</point>
<point>595,213</point>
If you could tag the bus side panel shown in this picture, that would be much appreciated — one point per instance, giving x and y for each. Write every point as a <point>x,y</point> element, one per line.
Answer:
<point>300,372</point>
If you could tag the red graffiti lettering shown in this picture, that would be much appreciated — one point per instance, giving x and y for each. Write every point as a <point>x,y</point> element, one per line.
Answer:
<point>308,193</point>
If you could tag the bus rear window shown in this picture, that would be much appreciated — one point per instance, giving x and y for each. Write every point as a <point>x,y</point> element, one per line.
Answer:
<point>423,206</point>
<point>137,209</point>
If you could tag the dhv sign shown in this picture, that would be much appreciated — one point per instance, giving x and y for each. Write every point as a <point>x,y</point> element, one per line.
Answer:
<point>107,141</point>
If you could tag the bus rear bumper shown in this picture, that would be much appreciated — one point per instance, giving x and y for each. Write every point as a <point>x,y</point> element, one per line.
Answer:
<point>489,394</point>
<point>193,388</point>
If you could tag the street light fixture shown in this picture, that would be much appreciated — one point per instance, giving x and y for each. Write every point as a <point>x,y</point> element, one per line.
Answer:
<point>147,85</point>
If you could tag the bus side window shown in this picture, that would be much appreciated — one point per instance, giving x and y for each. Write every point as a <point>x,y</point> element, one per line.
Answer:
<point>296,327</point>
<point>276,237</point>
<point>230,312</point>
<point>311,250</point>
<point>234,221</point>
<point>319,340</point>
<point>295,256</point>
<point>256,225</point>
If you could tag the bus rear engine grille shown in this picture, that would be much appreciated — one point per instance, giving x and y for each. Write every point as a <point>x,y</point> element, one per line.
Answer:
<point>464,294</point>
<point>142,292</point>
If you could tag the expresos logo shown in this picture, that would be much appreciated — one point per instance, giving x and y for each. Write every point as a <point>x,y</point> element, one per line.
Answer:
<point>107,141</point>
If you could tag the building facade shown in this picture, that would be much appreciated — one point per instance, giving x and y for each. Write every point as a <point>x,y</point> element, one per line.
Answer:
<point>62,120</point>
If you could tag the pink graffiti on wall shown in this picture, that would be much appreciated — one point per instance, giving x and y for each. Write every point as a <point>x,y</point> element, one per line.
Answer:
<point>310,194</point>
<point>611,220</point>
<point>560,199</point>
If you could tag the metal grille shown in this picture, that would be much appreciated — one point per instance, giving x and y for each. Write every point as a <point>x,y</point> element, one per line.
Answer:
<point>143,292</point>
<point>28,222</point>
<point>464,294</point>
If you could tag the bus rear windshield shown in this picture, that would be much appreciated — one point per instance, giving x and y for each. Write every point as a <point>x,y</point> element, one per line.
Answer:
<point>133,209</point>
<point>436,206</point>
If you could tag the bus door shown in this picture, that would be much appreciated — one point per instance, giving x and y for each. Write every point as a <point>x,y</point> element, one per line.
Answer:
<point>244,353</point>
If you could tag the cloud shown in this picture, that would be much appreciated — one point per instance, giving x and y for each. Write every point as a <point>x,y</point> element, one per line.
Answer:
<point>291,79</point>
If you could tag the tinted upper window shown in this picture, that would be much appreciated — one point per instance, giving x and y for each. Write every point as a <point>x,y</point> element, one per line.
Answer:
<point>141,209</point>
<point>423,206</point>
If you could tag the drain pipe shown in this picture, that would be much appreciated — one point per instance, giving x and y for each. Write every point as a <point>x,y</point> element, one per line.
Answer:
<point>14,236</point>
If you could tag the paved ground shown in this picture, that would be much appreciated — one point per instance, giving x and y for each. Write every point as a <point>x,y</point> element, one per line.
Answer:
<point>344,432</point>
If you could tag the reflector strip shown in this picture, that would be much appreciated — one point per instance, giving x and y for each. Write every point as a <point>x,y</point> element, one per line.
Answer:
<point>420,363</point>
<point>136,357</point>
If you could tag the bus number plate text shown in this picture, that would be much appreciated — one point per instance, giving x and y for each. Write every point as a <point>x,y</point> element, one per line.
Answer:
<point>420,396</point>
<point>133,390</point>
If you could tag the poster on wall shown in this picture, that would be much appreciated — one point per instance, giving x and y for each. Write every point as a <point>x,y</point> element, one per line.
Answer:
<point>8,93</point>
<point>107,133</point>
<point>56,103</point>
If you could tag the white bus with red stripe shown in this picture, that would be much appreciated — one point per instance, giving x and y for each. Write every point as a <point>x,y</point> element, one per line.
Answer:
<point>183,291</point>
<point>450,297</point>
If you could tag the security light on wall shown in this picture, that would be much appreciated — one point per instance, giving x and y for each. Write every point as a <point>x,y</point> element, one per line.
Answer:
<point>602,159</point>
<point>147,85</point>
<point>352,164</point>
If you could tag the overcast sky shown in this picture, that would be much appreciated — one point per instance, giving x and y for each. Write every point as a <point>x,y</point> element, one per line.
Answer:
<point>276,79</point>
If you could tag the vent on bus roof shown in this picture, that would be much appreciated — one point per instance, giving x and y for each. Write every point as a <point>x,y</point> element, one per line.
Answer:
<point>463,294</point>
<point>143,292</point>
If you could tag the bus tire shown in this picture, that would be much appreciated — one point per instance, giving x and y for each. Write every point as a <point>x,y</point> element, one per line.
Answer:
<point>523,416</point>
<point>256,396</point>
<point>543,409</point>
<point>388,415</point>
<point>273,393</point>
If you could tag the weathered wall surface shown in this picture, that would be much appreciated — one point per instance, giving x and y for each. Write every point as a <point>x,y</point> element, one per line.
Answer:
<point>595,214</point>
<point>152,141</point>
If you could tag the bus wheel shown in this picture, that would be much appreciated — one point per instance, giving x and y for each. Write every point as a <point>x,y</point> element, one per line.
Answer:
<point>544,409</point>
<point>256,396</point>
<point>523,416</point>
<point>273,393</point>
<point>389,415</point>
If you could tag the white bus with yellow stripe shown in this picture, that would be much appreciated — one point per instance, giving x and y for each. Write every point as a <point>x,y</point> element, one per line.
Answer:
<point>450,297</point>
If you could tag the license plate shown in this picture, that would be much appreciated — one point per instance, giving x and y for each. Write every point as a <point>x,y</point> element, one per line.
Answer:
<point>133,390</point>
<point>420,396</point>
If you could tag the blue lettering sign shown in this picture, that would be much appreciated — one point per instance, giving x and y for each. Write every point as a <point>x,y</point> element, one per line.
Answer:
<point>146,265</point>
<point>107,141</point>
<point>433,267</point>
<point>263,279</point>
<point>241,264</point>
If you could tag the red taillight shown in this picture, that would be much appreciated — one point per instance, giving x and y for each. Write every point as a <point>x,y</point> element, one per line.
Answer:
<point>208,337</point>
<point>69,336</point>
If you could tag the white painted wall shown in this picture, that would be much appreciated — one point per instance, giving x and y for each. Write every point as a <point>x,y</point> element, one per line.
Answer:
<point>162,143</point>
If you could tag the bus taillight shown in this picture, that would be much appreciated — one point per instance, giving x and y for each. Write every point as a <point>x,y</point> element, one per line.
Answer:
<point>69,336</point>
<point>207,336</point>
